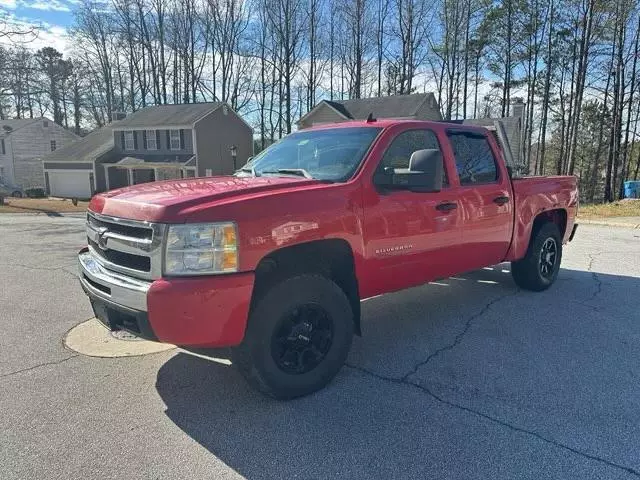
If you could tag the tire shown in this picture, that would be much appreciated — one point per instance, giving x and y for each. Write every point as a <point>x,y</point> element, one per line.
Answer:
<point>539,269</point>
<point>17,194</point>
<point>280,355</point>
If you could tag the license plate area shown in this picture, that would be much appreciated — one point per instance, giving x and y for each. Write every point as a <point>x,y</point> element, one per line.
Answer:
<point>115,319</point>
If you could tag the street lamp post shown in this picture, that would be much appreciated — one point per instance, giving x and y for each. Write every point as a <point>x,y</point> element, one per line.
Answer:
<point>234,156</point>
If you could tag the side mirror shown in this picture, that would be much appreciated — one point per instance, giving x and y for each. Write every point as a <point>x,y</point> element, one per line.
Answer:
<point>423,175</point>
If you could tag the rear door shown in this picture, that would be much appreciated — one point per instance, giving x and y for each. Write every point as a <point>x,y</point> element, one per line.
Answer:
<point>484,198</point>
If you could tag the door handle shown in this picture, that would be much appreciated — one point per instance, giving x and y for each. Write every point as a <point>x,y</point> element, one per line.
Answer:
<point>501,200</point>
<point>446,206</point>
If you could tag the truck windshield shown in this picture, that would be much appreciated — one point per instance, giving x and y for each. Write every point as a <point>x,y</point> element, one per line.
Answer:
<point>333,154</point>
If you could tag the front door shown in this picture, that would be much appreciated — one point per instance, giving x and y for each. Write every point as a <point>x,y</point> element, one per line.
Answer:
<point>484,198</point>
<point>410,237</point>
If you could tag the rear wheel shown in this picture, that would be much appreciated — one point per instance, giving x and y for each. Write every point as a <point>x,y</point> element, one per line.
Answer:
<point>539,268</point>
<point>298,337</point>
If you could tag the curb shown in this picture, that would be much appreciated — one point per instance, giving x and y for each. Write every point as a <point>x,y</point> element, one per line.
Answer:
<point>50,214</point>
<point>607,223</point>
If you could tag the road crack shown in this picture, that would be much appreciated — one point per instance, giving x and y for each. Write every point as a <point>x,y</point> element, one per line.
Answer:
<point>45,364</point>
<point>62,268</point>
<point>459,337</point>
<point>595,276</point>
<point>406,382</point>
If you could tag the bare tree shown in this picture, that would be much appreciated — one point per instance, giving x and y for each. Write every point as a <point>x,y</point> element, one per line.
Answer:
<point>287,23</point>
<point>410,32</point>
<point>356,43</point>
<point>93,32</point>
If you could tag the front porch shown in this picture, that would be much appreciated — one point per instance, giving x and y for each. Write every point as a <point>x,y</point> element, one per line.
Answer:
<point>133,171</point>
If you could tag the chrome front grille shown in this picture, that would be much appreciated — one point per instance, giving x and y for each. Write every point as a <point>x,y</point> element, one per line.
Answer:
<point>126,246</point>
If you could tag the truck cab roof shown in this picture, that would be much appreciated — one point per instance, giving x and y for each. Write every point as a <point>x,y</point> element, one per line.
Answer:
<point>392,122</point>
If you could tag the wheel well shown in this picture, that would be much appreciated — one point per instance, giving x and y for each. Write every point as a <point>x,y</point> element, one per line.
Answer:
<point>557,216</point>
<point>331,258</point>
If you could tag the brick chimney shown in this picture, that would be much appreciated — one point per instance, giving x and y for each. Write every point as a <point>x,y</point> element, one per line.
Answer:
<point>115,116</point>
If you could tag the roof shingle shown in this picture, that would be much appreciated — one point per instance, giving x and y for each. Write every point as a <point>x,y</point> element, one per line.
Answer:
<point>168,115</point>
<point>87,148</point>
<point>383,107</point>
<point>10,125</point>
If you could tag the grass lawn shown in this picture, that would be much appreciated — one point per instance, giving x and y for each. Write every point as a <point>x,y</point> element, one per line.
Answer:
<point>623,208</point>
<point>51,206</point>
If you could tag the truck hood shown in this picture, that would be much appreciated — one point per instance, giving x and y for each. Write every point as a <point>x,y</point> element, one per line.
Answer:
<point>167,201</point>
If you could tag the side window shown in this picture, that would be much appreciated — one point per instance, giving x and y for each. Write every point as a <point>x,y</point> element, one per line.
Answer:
<point>401,148</point>
<point>475,162</point>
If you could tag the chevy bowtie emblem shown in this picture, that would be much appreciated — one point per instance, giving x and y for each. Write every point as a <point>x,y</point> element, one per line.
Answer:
<point>102,238</point>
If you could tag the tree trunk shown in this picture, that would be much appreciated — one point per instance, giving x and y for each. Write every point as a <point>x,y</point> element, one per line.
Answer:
<point>582,73</point>
<point>547,87</point>
<point>625,157</point>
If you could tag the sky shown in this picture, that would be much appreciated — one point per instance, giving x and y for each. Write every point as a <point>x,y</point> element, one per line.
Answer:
<point>54,17</point>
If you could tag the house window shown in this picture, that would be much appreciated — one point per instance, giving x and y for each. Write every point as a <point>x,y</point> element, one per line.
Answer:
<point>129,142</point>
<point>1,173</point>
<point>53,145</point>
<point>45,123</point>
<point>174,139</point>
<point>2,148</point>
<point>152,144</point>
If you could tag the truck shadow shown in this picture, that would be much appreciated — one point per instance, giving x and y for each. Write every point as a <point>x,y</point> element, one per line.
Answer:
<point>363,427</point>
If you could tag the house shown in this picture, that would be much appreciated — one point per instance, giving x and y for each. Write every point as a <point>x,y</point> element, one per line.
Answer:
<point>23,143</point>
<point>418,106</point>
<point>155,143</point>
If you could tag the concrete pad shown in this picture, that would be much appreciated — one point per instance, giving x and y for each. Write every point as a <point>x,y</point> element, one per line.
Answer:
<point>93,339</point>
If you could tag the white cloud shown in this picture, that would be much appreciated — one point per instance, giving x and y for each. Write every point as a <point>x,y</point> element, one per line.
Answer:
<point>48,5</point>
<point>8,4</point>
<point>52,36</point>
<point>44,34</point>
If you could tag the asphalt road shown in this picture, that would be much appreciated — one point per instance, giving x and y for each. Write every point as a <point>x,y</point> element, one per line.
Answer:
<point>466,378</point>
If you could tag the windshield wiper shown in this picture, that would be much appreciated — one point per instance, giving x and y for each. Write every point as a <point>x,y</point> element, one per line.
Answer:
<point>301,172</point>
<point>250,170</point>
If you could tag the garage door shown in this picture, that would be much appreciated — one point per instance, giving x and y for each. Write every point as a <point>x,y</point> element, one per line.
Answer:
<point>63,183</point>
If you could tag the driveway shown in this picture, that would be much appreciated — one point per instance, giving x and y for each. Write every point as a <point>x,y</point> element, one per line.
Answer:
<point>463,378</point>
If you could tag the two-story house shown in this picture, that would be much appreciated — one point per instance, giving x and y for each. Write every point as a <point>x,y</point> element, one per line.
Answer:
<point>23,143</point>
<point>155,143</point>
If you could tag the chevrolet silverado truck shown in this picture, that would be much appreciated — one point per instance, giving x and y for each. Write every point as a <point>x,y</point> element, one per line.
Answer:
<point>274,260</point>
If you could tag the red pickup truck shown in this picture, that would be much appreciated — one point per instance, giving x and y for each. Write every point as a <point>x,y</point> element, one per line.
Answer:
<point>275,260</point>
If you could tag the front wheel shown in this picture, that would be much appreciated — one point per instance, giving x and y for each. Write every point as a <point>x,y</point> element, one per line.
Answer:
<point>298,337</point>
<point>539,268</point>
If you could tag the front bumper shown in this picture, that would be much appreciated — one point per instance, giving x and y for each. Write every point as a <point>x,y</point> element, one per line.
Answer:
<point>203,312</point>
<point>109,286</point>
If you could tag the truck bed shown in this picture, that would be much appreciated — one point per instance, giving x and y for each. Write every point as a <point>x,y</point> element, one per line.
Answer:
<point>536,194</point>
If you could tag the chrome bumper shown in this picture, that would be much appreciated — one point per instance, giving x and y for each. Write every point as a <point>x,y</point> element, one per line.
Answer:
<point>111,286</point>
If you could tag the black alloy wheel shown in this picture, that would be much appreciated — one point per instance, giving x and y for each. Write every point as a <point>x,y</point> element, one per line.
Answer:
<point>539,268</point>
<point>297,338</point>
<point>548,256</point>
<point>302,339</point>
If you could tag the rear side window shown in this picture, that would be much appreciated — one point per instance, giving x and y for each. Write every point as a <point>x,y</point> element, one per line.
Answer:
<point>475,162</point>
<point>403,146</point>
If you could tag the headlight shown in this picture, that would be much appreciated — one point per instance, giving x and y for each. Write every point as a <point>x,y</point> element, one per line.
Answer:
<point>201,249</point>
